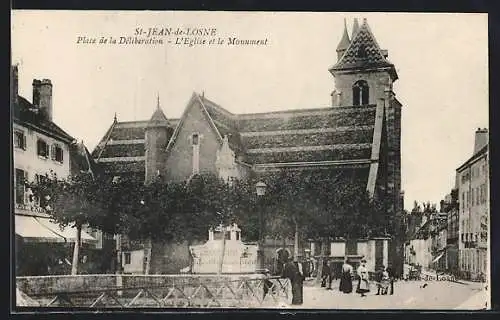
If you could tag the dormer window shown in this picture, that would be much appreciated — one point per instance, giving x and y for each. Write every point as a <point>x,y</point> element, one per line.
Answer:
<point>360,93</point>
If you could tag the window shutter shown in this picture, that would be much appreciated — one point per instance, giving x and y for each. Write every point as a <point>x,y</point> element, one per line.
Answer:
<point>53,152</point>
<point>62,155</point>
<point>38,147</point>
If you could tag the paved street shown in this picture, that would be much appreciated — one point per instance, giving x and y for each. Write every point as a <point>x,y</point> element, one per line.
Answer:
<point>408,295</point>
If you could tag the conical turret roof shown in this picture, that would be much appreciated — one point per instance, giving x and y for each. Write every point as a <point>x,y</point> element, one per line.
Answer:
<point>158,118</point>
<point>345,41</point>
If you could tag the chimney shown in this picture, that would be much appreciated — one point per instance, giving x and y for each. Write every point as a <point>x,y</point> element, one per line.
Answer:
<point>42,97</point>
<point>481,139</point>
<point>14,84</point>
<point>36,93</point>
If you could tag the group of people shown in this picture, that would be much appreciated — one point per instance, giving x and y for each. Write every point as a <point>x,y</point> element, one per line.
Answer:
<point>384,279</point>
<point>296,272</point>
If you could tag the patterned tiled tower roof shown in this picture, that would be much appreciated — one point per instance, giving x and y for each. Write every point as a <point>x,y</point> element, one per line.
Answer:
<point>363,52</point>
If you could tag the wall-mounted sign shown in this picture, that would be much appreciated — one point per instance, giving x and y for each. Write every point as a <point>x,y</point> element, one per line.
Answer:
<point>32,208</point>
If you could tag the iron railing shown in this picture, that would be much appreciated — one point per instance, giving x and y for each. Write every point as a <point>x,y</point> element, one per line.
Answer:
<point>223,293</point>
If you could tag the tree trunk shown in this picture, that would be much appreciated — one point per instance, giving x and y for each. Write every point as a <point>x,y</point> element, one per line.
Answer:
<point>191,258</point>
<point>76,250</point>
<point>221,260</point>
<point>149,249</point>
<point>322,257</point>
<point>296,242</point>
<point>118,267</point>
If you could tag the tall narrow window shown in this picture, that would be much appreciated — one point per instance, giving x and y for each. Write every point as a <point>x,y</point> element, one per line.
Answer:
<point>195,140</point>
<point>20,184</point>
<point>360,93</point>
<point>41,180</point>
<point>477,196</point>
<point>57,153</point>
<point>42,148</point>
<point>20,140</point>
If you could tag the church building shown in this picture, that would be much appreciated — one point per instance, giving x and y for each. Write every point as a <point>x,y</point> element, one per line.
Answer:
<point>356,137</point>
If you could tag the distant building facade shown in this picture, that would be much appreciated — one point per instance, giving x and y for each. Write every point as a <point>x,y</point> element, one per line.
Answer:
<point>450,206</point>
<point>474,209</point>
<point>357,138</point>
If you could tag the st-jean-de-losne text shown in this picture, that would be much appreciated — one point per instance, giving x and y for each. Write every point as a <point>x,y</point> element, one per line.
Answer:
<point>169,31</point>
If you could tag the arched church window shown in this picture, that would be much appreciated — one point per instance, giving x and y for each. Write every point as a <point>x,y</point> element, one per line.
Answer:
<point>360,93</point>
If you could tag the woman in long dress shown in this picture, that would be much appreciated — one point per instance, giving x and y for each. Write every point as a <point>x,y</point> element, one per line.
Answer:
<point>345,278</point>
<point>363,284</point>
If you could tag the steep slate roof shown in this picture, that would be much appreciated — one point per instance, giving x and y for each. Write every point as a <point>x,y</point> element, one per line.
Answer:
<point>26,114</point>
<point>81,160</point>
<point>336,135</point>
<point>308,135</point>
<point>363,52</point>
<point>474,157</point>
<point>122,148</point>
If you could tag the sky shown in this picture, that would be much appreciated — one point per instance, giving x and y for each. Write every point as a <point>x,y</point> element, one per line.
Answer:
<point>441,60</point>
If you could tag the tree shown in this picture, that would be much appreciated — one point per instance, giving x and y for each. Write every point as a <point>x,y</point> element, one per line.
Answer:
<point>323,205</point>
<point>76,201</point>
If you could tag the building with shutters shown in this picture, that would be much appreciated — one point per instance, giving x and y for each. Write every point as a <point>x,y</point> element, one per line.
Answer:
<point>474,209</point>
<point>356,138</point>
<point>41,147</point>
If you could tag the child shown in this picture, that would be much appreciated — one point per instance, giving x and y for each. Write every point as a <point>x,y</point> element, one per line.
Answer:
<point>384,283</point>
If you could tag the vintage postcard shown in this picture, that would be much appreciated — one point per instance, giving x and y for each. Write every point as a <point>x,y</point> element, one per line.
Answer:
<point>298,160</point>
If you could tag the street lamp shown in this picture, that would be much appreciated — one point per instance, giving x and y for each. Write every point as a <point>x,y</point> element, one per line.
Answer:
<point>260,187</point>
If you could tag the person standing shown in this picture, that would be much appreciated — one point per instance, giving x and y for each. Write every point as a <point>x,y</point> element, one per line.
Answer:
<point>325,274</point>
<point>392,276</point>
<point>295,272</point>
<point>378,279</point>
<point>346,278</point>
<point>363,284</point>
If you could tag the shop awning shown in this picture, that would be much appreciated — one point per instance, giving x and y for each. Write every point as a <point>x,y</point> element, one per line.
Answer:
<point>31,230</point>
<point>438,257</point>
<point>38,229</point>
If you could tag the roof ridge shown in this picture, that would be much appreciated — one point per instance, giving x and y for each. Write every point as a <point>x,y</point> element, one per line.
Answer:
<point>328,108</point>
<point>62,133</point>
<point>106,139</point>
<point>476,155</point>
<point>216,106</point>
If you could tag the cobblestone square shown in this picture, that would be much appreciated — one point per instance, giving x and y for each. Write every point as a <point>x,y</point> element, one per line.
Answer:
<point>407,295</point>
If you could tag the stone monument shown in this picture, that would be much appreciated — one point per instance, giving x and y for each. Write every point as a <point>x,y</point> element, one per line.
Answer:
<point>224,253</point>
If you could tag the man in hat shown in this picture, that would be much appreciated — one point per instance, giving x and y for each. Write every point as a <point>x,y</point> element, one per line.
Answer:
<point>295,272</point>
<point>325,274</point>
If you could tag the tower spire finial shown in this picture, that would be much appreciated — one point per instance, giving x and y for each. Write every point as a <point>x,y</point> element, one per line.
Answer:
<point>344,42</point>
<point>157,100</point>
<point>115,119</point>
<point>355,27</point>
